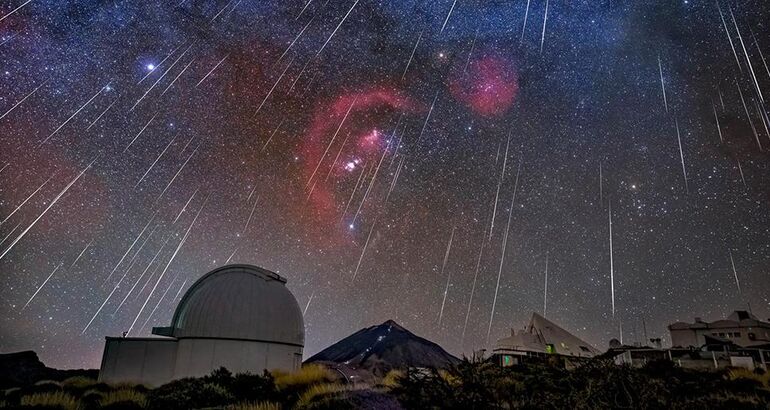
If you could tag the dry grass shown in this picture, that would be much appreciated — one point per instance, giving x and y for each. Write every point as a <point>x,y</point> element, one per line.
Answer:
<point>391,379</point>
<point>306,376</point>
<point>742,373</point>
<point>318,390</point>
<point>123,396</point>
<point>53,399</point>
<point>255,406</point>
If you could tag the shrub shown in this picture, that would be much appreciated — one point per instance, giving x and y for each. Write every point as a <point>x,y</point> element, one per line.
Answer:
<point>51,400</point>
<point>254,388</point>
<point>11,397</point>
<point>189,393</point>
<point>124,399</point>
<point>91,399</point>
<point>78,382</point>
<point>44,386</point>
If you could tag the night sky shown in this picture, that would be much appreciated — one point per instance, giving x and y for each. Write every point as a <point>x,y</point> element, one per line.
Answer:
<point>409,160</point>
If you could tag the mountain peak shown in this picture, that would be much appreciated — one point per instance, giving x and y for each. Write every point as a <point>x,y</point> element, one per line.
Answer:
<point>390,323</point>
<point>381,348</point>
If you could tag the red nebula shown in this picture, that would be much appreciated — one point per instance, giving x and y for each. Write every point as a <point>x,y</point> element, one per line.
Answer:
<point>365,130</point>
<point>488,86</point>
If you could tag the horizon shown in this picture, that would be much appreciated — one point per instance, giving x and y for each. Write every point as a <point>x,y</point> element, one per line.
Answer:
<point>453,166</point>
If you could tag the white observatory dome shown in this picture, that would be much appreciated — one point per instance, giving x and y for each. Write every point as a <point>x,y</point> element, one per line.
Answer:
<point>238,302</point>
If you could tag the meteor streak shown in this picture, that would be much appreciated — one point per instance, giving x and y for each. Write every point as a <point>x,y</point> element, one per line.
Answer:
<point>729,38</point>
<point>308,304</point>
<point>303,10</point>
<point>140,132</point>
<point>131,247</point>
<point>740,169</point>
<point>681,156</point>
<point>185,206</point>
<point>31,93</point>
<point>102,114</point>
<point>248,221</point>
<point>155,162</point>
<point>320,161</point>
<point>363,251</point>
<point>449,276</point>
<point>735,273</point>
<point>155,68</point>
<point>352,194</point>
<point>473,289</point>
<point>50,205</point>
<point>41,286</point>
<point>427,118</point>
<point>15,10</point>
<point>272,135</point>
<point>408,63</point>
<point>72,116</point>
<point>662,83</point>
<point>545,287</point>
<point>80,255</point>
<point>337,28</point>
<point>177,173</point>
<point>27,199</point>
<point>748,116</point>
<point>448,15</point>
<point>524,26</point>
<point>748,59</point>
<point>171,84</point>
<point>212,70</point>
<point>716,117</point>
<point>499,183</point>
<point>149,90</point>
<point>163,296</point>
<point>141,276</point>
<point>273,87</point>
<point>502,256</point>
<point>296,38</point>
<point>612,263</point>
<point>545,20</point>
<point>173,256</point>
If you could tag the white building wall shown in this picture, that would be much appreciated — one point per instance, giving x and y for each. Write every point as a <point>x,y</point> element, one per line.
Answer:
<point>143,361</point>
<point>198,357</point>
<point>684,338</point>
<point>155,361</point>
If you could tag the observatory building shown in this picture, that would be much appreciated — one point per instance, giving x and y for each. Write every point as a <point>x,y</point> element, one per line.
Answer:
<point>540,339</point>
<point>240,317</point>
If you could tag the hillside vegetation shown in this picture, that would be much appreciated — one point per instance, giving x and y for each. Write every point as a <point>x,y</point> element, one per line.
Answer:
<point>598,384</point>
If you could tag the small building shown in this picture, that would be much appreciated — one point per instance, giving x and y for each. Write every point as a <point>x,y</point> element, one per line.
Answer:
<point>741,327</point>
<point>240,317</point>
<point>741,340</point>
<point>539,340</point>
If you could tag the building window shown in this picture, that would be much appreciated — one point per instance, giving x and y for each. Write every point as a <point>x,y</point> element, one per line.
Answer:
<point>737,334</point>
<point>585,349</point>
<point>752,336</point>
<point>721,334</point>
<point>550,349</point>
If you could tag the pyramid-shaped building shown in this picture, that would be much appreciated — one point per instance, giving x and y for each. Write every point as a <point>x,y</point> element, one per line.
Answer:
<point>541,338</point>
